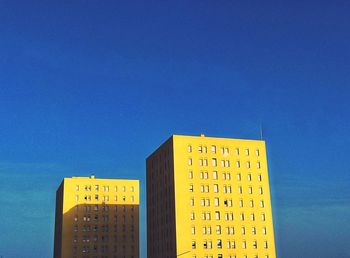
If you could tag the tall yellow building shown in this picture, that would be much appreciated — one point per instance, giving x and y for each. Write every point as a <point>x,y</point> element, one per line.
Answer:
<point>209,198</point>
<point>97,218</point>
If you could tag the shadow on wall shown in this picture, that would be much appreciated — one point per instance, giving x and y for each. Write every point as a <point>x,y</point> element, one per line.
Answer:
<point>103,230</point>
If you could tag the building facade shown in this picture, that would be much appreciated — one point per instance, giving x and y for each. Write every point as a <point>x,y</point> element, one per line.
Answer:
<point>97,218</point>
<point>209,198</point>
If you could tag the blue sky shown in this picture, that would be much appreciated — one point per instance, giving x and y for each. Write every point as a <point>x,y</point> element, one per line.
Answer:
<point>96,86</point>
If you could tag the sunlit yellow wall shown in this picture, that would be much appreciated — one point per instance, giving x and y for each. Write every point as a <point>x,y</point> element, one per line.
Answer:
<point>188,148</point>
<point>181,197</point>
<point>100,218</point>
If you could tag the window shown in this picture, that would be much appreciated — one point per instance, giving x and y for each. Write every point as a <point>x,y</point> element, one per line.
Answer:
<point>255,244</point>
<point>192,202</point>
<point>250,190</point>
<point>219,243</point>
<point>258,165</point>
<point>253,230</point>
<point>190,162</point>
<point>205,161</point>
<point>239,177</point>
<point>190,188</point>
<point>237,151</point>
<point>252,217</point>
<point>240,190</point>
<point>263,217</point>
<point>205,149</point>
<point>204,230</point>
<point>242,216</point>
<point>265,245</point>
<point>189,148</point>
<point>264,230</point>
<point>246,151</point>
<point>96,197</point>
<point>233,244</point>
<point>200,150</point>
<point>215,175</point>
<point>262,204</point>
<point>193,230</point>
<point>193,244</point>
<point>248,164</point>
<point>116,189</point>
<point>201,175</point>
<point>240,203</point>
<point>249,176</point>
<point>251,203</point>
<point>218,229</point>
<point>77,197</point>
<point>216,201</point>
<point>260,190</point>
<point>217,215</point>
<point>206,175</point>
<point>222,163</point>
<point>213,149</point>
<point>190,174</point>
<point>208,216</point>
<point>243,230</point>
<point>238,164</point>
<point>131,189</point>
<point>192,216</point>
<point>77,188</point>
<point>124,188</point>
<point>216,188</point>
<point>244,244</point>
<point>214,162</point>
<point>207,202</point>
<point>205,246</point>
<point>259,178</point>
<point>257,152</point>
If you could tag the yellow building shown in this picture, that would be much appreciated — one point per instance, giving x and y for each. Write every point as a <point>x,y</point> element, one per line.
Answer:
<point>209,198</point>
<point>97,218</point>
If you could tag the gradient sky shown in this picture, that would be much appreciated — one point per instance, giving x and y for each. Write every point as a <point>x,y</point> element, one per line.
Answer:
<point>96,86</point>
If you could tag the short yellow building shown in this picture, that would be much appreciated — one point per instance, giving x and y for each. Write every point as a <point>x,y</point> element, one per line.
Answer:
<point>97,218</point>
<point>209,198</point>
